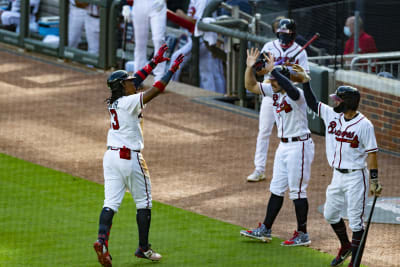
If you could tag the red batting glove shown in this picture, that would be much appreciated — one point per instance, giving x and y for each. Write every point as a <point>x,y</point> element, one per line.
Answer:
<point>176,64</point>
<point>159,57</point>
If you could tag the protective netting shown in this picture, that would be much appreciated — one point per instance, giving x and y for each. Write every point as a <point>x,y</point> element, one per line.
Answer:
<point>328,18</point>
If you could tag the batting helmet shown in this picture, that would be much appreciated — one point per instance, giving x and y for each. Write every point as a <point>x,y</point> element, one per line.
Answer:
<point>116,78</point>
<point>286,32</point>
<point>348,96</point>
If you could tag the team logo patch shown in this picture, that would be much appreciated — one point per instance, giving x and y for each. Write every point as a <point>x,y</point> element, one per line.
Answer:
<point>284,106</point>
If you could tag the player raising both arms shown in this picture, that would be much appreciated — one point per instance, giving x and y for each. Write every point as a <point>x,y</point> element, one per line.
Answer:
<point>284,49</point>
<point>295,153</point>
<point>350,145</point>
<point>124,165</point>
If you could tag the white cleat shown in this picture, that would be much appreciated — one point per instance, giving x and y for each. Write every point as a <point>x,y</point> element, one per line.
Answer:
<point>256,176</point>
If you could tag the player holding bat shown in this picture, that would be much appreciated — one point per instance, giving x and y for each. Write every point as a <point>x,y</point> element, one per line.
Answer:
<point>283,49</point>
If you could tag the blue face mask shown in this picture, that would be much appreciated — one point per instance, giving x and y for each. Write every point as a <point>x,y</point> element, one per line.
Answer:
<point>347,31</point>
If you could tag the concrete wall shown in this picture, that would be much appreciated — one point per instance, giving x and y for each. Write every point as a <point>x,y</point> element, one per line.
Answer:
<point>380,103</point>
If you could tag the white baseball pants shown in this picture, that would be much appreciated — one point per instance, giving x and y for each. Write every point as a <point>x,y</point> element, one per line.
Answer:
<point>292,168</point>
<point>76,22</point>
<point>121,174</point>
<point>353,188</point>
<point>145,12</point>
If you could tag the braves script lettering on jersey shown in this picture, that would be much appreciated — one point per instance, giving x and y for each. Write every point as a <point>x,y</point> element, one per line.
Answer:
<point>347,146</point>
<point>290,115</point>
<point>292,164</point>
<point>347,142</point>
<point>266,120</point>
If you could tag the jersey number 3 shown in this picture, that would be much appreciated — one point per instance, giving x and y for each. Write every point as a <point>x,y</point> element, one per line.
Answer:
<point>114,119</point>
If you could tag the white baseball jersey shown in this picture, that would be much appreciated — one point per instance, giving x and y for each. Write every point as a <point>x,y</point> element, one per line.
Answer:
<point>292,163</point>
<point>125,129</point>
<point>266,120</point>
<point>290,115</point>
<point>347,146</point>
<point>347,142</point>
<point>275,48</point>
<point>121,173</point>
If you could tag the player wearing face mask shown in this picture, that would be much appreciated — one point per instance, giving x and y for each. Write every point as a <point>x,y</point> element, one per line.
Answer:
<point>283,49</point>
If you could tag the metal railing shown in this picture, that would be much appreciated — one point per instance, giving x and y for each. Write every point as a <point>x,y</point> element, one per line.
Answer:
<point>368,63</point>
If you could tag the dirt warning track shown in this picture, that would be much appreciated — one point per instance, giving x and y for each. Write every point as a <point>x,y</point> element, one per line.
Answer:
<point>199,155</point>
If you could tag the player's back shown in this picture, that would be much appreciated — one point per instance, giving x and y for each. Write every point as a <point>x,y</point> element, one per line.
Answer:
<point>125,128</point>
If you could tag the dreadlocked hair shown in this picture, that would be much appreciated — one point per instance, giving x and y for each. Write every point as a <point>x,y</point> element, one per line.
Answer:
<point>115,94</point>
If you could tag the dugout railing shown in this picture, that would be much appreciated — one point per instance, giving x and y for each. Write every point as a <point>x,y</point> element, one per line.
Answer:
<point>372,63</point>
<point>28,41</point>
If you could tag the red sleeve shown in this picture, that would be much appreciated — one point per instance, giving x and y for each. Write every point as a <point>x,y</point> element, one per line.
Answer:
<point>371,47</point>
<point>348,49</point>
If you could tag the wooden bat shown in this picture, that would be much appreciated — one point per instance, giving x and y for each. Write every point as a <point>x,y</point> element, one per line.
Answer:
<point>187,24</point>
<point>304,47</point>
<point>360,250</point>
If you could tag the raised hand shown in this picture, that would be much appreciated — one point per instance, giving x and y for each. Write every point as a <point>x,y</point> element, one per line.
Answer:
<point>270,62</point>
<point>176,64</point>
<point>298,74</point>
<point>252,56</point>
<point>159,57</point>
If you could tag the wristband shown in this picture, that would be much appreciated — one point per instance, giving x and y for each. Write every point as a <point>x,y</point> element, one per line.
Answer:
<point>142,74</point>
<point>278,68</point>
<point>159,85</point>
<point>373,174</point>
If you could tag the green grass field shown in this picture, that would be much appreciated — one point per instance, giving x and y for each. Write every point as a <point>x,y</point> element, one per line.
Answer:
<point>49,218</point>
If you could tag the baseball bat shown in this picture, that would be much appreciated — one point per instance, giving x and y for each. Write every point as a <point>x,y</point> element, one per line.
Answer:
<point>360,250</point>
<point>301,50</point>
<point>184,23</point>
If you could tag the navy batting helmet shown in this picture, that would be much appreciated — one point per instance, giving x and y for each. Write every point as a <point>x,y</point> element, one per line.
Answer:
<point>286,32</point>
<point>286,26</point>
<point>348,96</point>
<point>116,78</point>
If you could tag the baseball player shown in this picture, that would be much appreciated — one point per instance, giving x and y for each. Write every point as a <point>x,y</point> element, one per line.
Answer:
<point>350,147</point>
<point>295,153</point>
<point>283,49</point>
<point>124,165</point>
<point>211,69</point>
<point>84,16</point>
<point>11,16</point>
<point>147,13</point>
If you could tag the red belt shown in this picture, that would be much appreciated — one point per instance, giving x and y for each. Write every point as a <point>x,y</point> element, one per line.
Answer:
<point>295,139</point>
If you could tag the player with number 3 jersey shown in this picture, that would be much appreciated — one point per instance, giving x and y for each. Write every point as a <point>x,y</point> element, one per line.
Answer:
<point>123,163</point>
